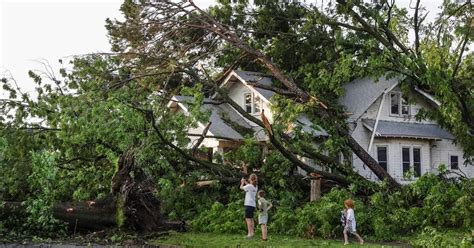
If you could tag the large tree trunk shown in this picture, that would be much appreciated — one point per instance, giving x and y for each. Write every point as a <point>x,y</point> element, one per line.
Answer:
<point>132,204</point>
<point>84,216</point>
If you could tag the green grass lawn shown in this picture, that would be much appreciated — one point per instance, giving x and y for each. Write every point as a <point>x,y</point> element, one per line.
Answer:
<point>227,240</point>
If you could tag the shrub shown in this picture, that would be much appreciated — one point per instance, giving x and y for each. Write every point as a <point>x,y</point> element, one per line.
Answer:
<point>46,188</point>
<point>430,202</point>
<point>221,218</point>
<point>432,238</point>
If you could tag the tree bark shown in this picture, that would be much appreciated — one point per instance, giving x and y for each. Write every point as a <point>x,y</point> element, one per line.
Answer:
<point>81,216</point>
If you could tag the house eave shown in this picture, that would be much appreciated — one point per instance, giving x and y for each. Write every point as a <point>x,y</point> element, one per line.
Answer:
<point>243,81</point>
<point>407,137</point>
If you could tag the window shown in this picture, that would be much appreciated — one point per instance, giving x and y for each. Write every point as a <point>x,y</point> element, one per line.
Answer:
<point>398,104</point>
<point>406,159</point>
<point>257,104</point>
<point>248,102</point>
<point>454,162</point>
<point>252,103</point>
<point>417,162</point>
<point>382,156</point>
<point>394,103</point>
<point>411,159</point>
<point>405,106</point>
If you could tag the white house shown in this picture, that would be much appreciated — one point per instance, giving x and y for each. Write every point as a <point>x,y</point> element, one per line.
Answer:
<point>380,118</point>
<point>384,122</point>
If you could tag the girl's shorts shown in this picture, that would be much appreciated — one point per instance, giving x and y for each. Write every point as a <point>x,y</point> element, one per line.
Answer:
<point>262,219</point>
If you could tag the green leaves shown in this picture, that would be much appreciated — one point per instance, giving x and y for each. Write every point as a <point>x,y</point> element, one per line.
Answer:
<point>46,187</point>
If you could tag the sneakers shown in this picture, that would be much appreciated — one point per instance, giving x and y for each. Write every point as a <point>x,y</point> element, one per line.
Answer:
<point>249,237</point>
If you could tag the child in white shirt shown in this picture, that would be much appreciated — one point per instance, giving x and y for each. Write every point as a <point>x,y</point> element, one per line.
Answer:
<point>250,189</point>
<point>350,222</point>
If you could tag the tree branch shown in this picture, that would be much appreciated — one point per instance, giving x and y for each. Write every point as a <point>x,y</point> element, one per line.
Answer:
<point>201,138</point>
<point>417,29</point>
<point>272,88</point>
<point>461,52</point>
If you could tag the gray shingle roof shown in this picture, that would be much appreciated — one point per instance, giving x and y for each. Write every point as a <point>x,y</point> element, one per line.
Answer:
<point>256,77</point>
<point>219,126</point>
<point>361,93</point>
<point>407,130</point>
<point>307,126</point>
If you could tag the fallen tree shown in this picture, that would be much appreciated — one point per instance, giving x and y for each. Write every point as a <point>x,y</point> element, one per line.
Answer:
<point>81,216</point>
<point>132,205</point>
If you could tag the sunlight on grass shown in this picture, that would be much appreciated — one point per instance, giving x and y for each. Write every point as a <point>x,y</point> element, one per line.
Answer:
<point>226,240</point>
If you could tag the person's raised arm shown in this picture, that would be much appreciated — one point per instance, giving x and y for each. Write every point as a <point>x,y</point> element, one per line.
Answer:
<point>242,183</point>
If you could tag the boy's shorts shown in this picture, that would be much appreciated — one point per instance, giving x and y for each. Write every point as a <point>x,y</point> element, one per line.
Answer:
<point>249,210</point>
<point>262,219</point>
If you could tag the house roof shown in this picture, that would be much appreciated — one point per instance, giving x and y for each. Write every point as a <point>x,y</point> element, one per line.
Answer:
<point>308,127</point>
<point>248,78</point>
<point>256,77</point>
<point>361,93</point>
<point>223,116</point>
<point>407,130</point>
<point>358,96</point>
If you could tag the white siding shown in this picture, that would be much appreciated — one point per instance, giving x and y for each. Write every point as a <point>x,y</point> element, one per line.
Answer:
<point>385,115</point>
<point>441,150</point>
<point>237,91</point>
<point>433,153</point>
<point>395,155</point>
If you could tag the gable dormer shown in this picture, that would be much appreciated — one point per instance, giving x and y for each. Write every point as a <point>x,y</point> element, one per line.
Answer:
<point>363,97</point>
<point>399,106</point>
<point>242,87</point>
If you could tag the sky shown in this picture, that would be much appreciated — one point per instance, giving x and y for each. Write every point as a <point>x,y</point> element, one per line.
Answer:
<point>49,30</point>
